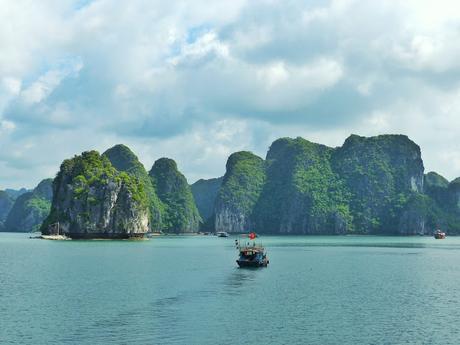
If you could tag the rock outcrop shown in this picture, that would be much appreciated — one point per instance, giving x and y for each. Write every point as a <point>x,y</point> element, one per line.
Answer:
<point>381,174</point>
<point>372,185</point>
<point>6,203</point>
<point>302,194</point>
<point>180,212</point>
<point>239,193</point>
<point>91,199</point>
<point>369,185</point>
<point>205,194</point>
<point>30,209</point>
<point>123,159</point>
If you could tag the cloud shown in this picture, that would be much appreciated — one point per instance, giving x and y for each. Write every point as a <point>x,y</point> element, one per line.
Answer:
<point>198,80</point>
<point>50,80</point>
<point>7,126</point>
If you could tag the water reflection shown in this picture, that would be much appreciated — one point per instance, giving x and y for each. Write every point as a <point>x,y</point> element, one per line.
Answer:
<point>239,279</point>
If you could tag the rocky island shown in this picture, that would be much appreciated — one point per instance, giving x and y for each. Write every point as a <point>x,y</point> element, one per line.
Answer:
<point>374,185</point>
<point>112,196</point>
<point>91,199</point>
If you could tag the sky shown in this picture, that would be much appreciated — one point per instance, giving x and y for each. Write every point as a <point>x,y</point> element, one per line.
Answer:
<point>198,80</point>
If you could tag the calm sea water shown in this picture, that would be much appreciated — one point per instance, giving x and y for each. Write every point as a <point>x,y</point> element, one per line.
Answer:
<point>188,290</point>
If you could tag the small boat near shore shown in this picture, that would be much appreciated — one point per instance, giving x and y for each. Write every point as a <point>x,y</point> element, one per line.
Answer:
<point>439,235</point>
<point>251,254</point>
<point>54,233</point>
<point>222,234</point>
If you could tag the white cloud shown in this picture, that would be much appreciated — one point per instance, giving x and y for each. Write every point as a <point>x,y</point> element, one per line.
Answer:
<point>273,74</point>
<point>11,85</point>
<point>199,80</point>
<point>7,126</point>
<point>46,83</point>
<point>204,45</point>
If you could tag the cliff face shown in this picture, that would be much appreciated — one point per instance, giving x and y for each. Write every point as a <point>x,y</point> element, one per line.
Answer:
<point>181,214</point>
<point>30,209</point>
<point>123,159</point>
<point>302,195</point>
<point>205,194</point>
<point>453,206</point>
<point>436,187</point>
<point>240,191</point>
<point>6,203</point>
<point>91,199</point>
<point>369,185</point>
<point>382,174</point>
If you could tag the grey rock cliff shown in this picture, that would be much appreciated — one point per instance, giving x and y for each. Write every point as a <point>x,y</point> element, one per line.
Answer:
<point>240,191</point>
<point>205,194</point>
<point>93,200</point>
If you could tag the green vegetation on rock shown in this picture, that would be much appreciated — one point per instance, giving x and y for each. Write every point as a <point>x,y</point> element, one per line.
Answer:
<point>381,173</point>
<point>372,185</point>
<point>30,209</point>
<point>91,170</point>
<point>434,180</point>
<point>239,193</point>
<point>205,194</point>
<point>181,214</point>
<point>302,193</point>
<point>369,185</point>
<point>92,198</point>
<point>123,159</point>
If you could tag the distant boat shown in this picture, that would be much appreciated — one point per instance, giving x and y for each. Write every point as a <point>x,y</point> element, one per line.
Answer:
<point>222,234</point>
<point>251,254</point>
<point>54,233</point>
<point>439,235</point>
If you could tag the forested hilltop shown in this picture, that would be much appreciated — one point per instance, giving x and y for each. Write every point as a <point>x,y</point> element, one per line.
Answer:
<point>112,196</point>
<point>369,185</point>
<point>372,185</point>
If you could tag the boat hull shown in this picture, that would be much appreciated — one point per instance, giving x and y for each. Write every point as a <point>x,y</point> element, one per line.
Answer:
<point>248,263</point>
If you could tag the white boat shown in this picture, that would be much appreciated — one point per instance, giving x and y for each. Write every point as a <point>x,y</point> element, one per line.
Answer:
<point>222,234</point>
<point>54,233</point>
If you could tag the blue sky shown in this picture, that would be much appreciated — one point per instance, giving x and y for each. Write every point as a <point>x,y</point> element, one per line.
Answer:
<point>198,80</point>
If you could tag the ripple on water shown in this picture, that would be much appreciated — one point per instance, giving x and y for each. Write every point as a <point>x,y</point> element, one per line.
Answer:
<point>316,290</point>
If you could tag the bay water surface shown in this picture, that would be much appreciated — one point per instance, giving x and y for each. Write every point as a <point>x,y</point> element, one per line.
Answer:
<point>188,290</point>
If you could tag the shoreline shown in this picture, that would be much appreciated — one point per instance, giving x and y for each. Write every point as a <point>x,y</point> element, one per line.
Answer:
<point>148,236</point>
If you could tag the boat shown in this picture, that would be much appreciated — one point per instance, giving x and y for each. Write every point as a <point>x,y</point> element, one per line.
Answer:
<point>54,233</point>
<point>439,235</point>
<point>222,234</point>
<point>251,254</point>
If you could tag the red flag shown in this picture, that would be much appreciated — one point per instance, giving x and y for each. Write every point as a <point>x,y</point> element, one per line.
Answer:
<point>252,235</point>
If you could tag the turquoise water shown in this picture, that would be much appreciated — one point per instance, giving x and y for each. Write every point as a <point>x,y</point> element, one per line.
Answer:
<point>188,290</point>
